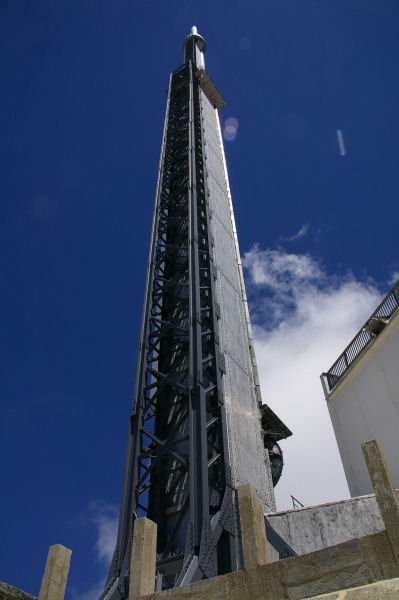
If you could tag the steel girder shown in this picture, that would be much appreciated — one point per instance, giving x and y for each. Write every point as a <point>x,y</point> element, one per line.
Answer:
<point>177,468</point>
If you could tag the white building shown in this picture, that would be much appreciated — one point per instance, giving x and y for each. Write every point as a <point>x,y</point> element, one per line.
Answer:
<point>362,394</point>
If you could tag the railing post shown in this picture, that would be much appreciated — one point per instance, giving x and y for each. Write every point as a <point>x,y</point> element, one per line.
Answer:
<point>253,530</point>
<point>325,384</point>
<point>143,559</point>
<point>56,573</point>
<point>385,492</point>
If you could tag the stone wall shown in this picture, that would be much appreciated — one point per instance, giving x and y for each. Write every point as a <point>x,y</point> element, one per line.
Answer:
<point>9,592</point>
<point>354,563</point>
<point>316,527</point>
<point>382,590</point>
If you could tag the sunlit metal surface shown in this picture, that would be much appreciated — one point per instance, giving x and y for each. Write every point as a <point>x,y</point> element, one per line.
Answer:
<point>195,432</point>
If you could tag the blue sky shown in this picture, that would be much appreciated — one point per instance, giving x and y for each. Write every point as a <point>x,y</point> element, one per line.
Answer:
<point>81,114</point>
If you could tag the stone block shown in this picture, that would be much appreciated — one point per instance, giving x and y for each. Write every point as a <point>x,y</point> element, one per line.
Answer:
<point>325,571</point>
<point>385,492</point>
<point>56,573</point>
<point>9,592</point>
<point>382,590</point>
<point>379,557</point>
<point>253,531</point>
<point>143,559</point>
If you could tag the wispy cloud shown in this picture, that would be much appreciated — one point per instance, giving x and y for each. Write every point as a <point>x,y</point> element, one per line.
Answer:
<point>105,518</point>
<point>341,143</point>
<point>303,318</point>
<point>298,235</point>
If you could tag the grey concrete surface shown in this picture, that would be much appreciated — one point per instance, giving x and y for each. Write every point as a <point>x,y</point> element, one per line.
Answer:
<point>315,527</point>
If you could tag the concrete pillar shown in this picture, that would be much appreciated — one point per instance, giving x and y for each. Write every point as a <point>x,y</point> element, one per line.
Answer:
<point>385,492</point>
<point>253,531</point>
<point>143,559</point>
<point>56,573</point>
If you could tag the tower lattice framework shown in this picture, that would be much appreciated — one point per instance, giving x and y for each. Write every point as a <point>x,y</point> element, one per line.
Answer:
<point>197,429</point>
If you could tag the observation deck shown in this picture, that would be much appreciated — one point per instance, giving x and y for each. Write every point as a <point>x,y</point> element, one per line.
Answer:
<point>362,340</point>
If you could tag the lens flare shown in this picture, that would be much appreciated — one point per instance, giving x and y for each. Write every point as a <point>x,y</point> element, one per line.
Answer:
<point>230,129</point>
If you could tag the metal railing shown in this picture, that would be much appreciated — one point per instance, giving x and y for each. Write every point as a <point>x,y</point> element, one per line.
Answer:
<point>373,326</point>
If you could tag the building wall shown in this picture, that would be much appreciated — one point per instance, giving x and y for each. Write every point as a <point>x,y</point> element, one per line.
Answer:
<point>316,527</point>
<point>364,405</point>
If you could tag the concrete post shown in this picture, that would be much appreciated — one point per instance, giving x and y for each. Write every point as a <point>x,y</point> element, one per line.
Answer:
<point>385,492</point>
<point>143,559</point>
<point>253,531</point>
<point>56,573</point>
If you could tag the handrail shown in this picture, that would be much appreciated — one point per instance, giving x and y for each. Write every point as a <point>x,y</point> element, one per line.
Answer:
<point>373,326</point>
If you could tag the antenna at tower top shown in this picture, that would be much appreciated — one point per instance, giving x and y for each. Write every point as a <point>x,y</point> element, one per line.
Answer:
<point>194,48</point>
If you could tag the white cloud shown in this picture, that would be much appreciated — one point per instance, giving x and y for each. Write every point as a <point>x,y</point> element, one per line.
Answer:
<point>303,319</point>
<point>105,517</point>
<point>394,278</point>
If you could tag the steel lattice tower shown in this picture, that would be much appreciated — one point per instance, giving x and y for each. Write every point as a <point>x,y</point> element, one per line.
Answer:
<point>198,428</point>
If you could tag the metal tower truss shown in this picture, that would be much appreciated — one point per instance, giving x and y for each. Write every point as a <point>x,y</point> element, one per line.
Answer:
<point>178,469</point>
